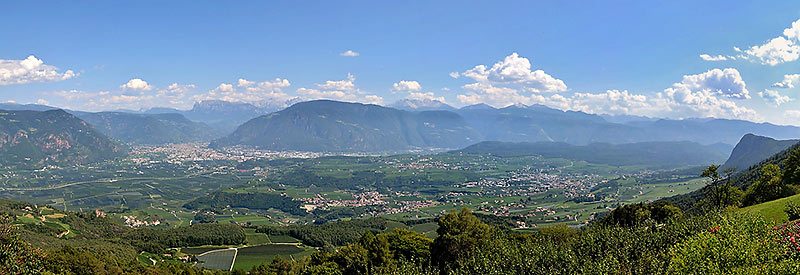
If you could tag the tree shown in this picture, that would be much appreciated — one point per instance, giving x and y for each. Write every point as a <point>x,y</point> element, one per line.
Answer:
<point>792,168</point>
<point>720,193</point>
<point>459,233</point>
<point>409,246</point>
<point>769,186</point>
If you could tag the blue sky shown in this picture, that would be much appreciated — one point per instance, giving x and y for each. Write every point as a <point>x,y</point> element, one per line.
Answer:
<point>617,57</point>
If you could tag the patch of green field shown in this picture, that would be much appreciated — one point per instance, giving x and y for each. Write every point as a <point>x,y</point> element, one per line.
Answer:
<point>255,255</point>
<point>217,259</point>
<point>283,239</point>
<point>772,210</point>
<point>255,238</point>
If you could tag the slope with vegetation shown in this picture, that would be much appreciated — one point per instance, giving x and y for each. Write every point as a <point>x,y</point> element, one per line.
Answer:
<point>54,137</point>
<point>324,125</point>
<point>148,128</point>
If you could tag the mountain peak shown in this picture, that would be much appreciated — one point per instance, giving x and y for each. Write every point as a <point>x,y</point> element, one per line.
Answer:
<point>421,105</point>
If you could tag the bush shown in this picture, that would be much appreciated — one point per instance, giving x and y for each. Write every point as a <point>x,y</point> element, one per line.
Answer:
<point>792,210</point>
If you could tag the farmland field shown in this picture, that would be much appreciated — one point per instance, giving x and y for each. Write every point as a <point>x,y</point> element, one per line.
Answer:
<point>218,259</point>
<point>255,255</point>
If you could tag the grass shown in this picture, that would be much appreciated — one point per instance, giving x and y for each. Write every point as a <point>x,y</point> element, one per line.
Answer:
<point>283,239</point>
<point>222,259</point>
<point>255,238</point>
<point>256,255</point>
<point>772,210</point>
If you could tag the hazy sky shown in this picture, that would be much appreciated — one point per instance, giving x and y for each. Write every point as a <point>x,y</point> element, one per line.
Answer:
<point>673,59</point>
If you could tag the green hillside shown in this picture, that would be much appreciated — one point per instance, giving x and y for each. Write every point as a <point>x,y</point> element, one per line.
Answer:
<point>324,125</point>
<point>772,210</point>
<point>752,149</point>
<point>148,128</point>
<point>33,138</point>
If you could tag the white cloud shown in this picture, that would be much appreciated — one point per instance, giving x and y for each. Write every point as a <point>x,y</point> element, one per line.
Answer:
<point>344,85</point>
<point>454,74</point>
<point>774,97</point>
<point>425,96</point>
<point>515,71</point>
<point>350,53</point>
<point>249,91</point>
<point>713,58</point>
<point>406,86</point>
<point>30,70</point>
<point>788,81</point>
<point>340,90</point>
<point>700,95</point>
<point>508,82</point>
<point>245,83</point>
<point>727,82</point>
<point>781,49</point>
<point>137,84</point>
<point>776,51</point>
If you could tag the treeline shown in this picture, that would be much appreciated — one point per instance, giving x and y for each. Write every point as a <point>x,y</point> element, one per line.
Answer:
<point>718,242</point>
<point>156,240</point>
<point>329,234</point>
<point>220,200</point>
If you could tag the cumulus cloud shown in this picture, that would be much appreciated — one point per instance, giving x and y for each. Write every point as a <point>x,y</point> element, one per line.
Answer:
<point>515,71</point>
<point>454,74</point>
<point>713,58</point>
<point>341,90</point>
<point>788,81</point>
<point>136,84</point>
<point>248,91</point>
<point>507,82</point>
<point>30,70</point>
<point>406,86</point>
<point>774,97</point>
<point>708,94</point>
<point>245,83</point>
<point>350,53</point>
<point>727,83</point>
<point>777,50</point>
<point>425,96</point>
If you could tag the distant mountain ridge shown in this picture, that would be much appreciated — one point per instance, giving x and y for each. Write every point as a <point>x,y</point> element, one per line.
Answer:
<point>421,105</point>
<point>149,128</point>
<point>753,149</point>
<point>37,138</point>
<point>672,154</point>
<point>325,125</point>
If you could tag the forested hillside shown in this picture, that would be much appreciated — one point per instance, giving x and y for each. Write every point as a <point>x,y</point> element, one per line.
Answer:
<point>35,139</point>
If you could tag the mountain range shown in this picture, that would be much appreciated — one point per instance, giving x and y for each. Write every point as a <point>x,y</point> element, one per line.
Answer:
<point>36,138</point>
<point>664,154</point>
<point>325,125</point>
<point>149,128</point>
<point>337,126</point>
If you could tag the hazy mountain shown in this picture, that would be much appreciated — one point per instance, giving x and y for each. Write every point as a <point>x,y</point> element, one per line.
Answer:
<point>34,138</point>
<point>149,128</point>
<point>753,149</point>
<point>29,107</point>
<point>540,123</point>
<point>421,105</point>
<point>650,154</point>
<point>324,125</point>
